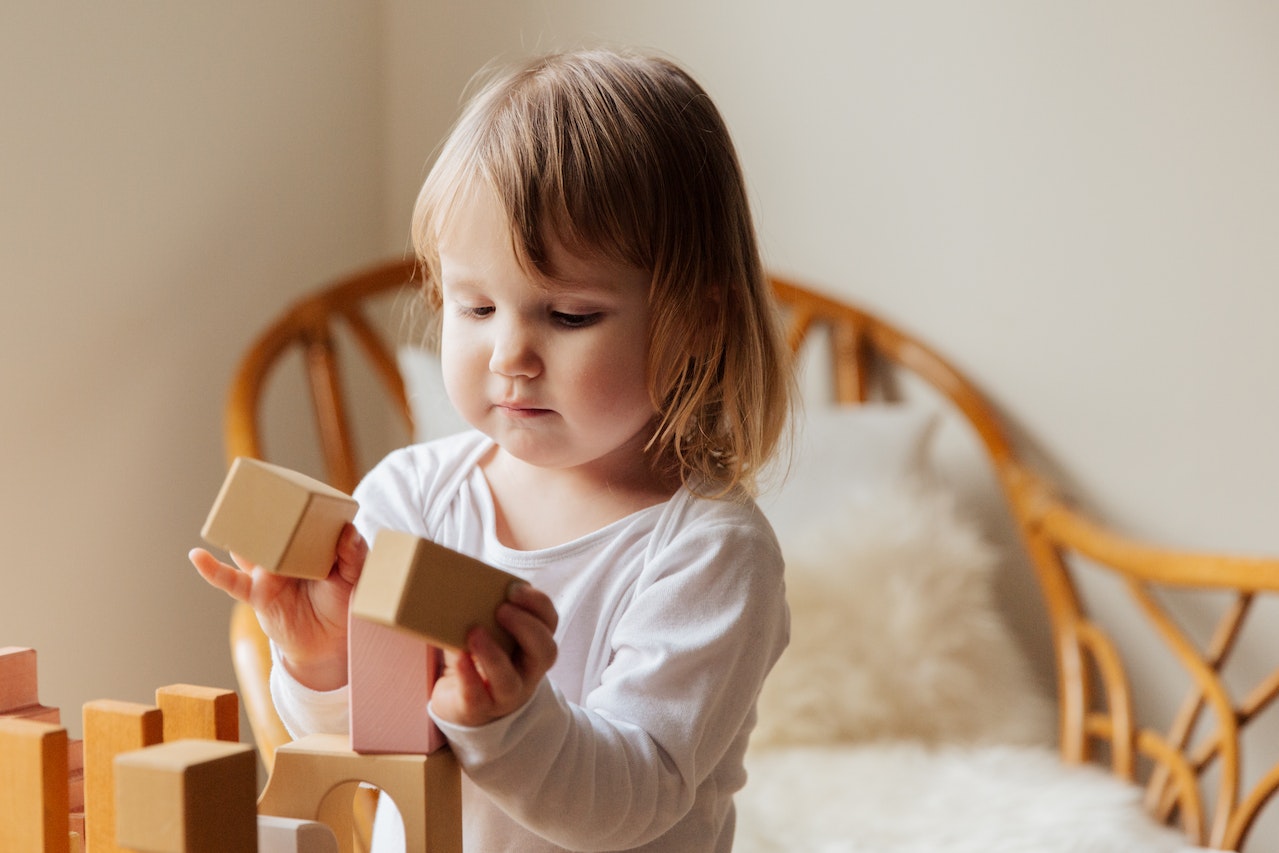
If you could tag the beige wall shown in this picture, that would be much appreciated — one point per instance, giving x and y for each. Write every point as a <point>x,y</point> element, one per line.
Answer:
<point>1077,202</point>
<point>171,174</point>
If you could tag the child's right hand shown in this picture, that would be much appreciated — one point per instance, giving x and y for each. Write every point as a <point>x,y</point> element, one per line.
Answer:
<point>306,619</point>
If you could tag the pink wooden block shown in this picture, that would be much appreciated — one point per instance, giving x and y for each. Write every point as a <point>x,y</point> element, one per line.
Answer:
<point>391,674</point>
<point>17,679</point>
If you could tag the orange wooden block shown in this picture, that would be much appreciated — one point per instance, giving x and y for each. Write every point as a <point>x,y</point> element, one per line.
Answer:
<point>187,796</point>
<point>37,714</point>
<point>207,713</point>
<point>427,790</point>
<point>279,519</point>
<point>17,679</point>
<point>33,787</point>
<point>19,691</point>
<point>110,728</point>
<point>391,675</point>
<point>415,585</point>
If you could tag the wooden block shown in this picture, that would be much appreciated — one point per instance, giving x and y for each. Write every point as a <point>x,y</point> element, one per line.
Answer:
<point>207,713</point>
<point>391,675</point>
<point>415,585</point>
<point>187,796</point>
<point>33,787</point>
<point>37,714</point>
<point>17,678</point>
<point>110,728</point>
<point>427,789</point>
<point>75,780</point>
<point>292,835</point>
<point>279,519</point>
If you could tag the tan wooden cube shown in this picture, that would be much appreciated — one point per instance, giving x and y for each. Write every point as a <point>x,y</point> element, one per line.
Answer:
<point>279,519</point>
<point>416,585</point>
<point>187,796</point>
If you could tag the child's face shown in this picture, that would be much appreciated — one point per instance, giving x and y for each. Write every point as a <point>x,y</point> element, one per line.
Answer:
<point>554,373</point>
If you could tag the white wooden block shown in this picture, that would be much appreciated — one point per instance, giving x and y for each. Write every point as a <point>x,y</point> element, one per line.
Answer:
<point>294,835</point>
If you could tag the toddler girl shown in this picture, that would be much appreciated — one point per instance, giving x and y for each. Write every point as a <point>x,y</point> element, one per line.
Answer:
<point>607,329</point>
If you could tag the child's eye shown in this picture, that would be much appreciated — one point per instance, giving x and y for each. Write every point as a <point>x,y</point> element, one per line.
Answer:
<point>575,321</point>
<point>475,310</point>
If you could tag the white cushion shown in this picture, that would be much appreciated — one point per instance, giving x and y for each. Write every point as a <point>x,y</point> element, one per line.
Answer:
<point>847,452</point>
<point>433,414</point>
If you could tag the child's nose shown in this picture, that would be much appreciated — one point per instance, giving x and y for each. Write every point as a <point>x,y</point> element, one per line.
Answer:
<point>514,352</point>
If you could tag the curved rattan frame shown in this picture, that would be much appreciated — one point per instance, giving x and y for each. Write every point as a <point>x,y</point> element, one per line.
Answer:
<point>1099,715</point>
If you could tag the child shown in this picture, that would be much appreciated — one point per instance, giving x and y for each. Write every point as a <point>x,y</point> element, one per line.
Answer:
<point>607,330</point>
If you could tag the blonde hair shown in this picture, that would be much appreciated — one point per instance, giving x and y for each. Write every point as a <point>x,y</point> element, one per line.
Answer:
<point>624,157</point>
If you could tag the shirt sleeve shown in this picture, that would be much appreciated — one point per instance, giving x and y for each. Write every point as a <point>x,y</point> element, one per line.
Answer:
<point>707,622</point>
<point>305,711</point>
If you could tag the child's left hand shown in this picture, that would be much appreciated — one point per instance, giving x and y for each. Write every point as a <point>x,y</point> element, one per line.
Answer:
<point>483,684</point>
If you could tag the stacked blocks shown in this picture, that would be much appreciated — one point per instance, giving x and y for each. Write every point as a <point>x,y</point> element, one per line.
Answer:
<point>423,786</point>
<point>269,516</point>
<point>186,794</point>
<point>279,519</point>
<point>19,701</point>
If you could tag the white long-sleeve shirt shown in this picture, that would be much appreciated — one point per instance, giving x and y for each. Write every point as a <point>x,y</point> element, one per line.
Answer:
<point>669,620</point>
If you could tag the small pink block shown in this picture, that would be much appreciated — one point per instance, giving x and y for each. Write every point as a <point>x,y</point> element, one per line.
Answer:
<point>17,679</point>
<point>391,675</point>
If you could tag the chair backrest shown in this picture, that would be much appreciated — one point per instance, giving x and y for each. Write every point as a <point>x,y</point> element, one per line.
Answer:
<point>1190,759</point>
<point>1192,768</point>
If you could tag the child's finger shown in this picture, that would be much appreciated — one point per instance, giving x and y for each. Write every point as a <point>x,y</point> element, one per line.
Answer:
<point>533,636</point>
<point>352,550</point>
<point>235,583</point>
<point>503,684</point>
<point>535,601</point>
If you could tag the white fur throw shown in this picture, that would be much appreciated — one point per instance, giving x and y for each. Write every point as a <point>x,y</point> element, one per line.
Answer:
<point>903,717</point>
<point>894,633</point>
<point>909,798</point>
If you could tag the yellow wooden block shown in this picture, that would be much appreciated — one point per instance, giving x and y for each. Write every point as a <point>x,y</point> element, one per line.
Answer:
<point>279,519</point>
<point>191,711</point>
<point>110,728</point>
<point>187,796</point>
<point>33,787</point>
<point>419,586</point>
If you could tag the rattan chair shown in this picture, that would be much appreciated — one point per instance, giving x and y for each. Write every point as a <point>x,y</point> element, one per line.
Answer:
<point>1194,771</point>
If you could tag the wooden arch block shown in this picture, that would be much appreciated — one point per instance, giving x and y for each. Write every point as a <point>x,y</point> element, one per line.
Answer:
<point>33,787</point>
<point>187,796</point>
<point>279,519</point>
<point>426,789</point>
